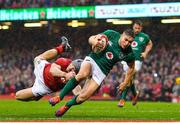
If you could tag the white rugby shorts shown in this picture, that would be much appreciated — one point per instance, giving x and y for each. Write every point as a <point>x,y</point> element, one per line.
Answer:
<point>39,88</point>
<point>97,75</point>
<point>138,65</point>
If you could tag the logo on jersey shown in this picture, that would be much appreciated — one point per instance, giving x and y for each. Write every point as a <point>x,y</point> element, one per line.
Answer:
<point>121,56</point>
<point>109,55</point>
<point>141,39</point>
<point>134,44</point>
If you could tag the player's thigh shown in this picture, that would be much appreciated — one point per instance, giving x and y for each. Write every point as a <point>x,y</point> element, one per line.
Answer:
<point>39,88</point>
<point>89,89</point>
<point>84,71</point>
<point>24,94</point>
<point>86,84</point>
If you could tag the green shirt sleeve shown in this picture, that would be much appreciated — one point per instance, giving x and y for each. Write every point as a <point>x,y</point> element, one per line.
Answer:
<point>111,34</point>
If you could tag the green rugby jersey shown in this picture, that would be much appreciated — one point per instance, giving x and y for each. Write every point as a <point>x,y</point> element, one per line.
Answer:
<point>113,53</point>
<point>139,44</point>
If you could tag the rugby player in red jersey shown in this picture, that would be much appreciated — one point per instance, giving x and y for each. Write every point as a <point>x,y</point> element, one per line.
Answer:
<point>50,77</point>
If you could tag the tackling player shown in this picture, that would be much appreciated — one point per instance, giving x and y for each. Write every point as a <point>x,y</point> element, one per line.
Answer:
<point>109,48</point>
<point>141,47</point>
<point>50,77</point>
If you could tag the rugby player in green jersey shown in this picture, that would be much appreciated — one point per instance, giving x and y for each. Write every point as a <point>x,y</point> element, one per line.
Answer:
<point>141,47</point>
<point>97,65</point>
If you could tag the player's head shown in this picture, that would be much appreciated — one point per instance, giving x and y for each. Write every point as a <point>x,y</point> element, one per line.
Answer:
<point>126,38</point>
<point>75,66</point>
<point>137,26</point>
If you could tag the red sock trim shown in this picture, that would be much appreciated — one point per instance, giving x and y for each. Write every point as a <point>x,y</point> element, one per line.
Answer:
<point>60,49</point>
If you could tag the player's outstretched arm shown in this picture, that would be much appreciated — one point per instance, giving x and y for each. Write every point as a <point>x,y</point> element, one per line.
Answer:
<point>147,49</point>
<point>128,76</point>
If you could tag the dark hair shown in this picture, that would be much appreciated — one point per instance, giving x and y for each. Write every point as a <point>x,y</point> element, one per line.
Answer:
<point>129,32</point>
<point>139,22</point>
<point>77,64</point>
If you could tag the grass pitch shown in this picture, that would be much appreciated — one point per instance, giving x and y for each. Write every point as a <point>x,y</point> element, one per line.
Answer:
<point>12,110</point>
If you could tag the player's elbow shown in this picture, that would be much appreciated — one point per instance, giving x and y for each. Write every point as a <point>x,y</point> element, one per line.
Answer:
<point>150,44</point>
<point>90,40</point>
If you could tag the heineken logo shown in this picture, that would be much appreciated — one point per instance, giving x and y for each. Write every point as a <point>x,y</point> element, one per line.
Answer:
<point>109,55</point>
<point>134,44</point>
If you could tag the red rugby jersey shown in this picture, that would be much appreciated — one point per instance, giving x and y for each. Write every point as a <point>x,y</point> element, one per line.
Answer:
<point>55,83</point>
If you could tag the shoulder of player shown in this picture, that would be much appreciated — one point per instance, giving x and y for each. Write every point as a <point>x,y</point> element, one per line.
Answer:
<point>63,60</point>
<point>110,32</point>
<point>143,34</point>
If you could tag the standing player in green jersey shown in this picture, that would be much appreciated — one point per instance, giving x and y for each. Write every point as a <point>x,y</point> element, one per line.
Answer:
<point>141,47</point>
<point>96,66</point>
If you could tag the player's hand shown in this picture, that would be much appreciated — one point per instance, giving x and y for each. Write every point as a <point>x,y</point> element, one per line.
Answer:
<point>121,87</point>
<point>69,75</point>
<point>101,43</point>
<point>65,43</point>
<point>144,55</point>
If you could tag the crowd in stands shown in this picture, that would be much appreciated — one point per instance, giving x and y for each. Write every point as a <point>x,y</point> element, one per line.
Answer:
<point>53,3</point>
<point>156,80</point>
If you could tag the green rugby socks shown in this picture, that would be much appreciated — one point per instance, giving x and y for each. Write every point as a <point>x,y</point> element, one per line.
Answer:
<point>124,93</point>
<point>133,89</point>
<point>72,102</point>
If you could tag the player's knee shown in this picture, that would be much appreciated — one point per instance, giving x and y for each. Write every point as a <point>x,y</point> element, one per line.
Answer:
<point>81,76</point>
<point>18,95</point>
<point>82,98</point>
<point>35,59</point>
